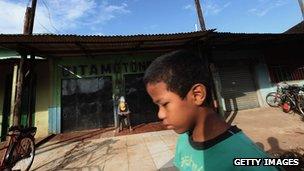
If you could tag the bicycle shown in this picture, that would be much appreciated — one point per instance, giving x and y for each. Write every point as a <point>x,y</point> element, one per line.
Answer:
<point>289,97</point>
<point>294,99</point>
<point>21,149</point>
<point>274,99</point>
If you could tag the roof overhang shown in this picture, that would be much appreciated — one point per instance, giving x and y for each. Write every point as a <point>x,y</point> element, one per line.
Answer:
<point>61,46</point>
<point>96,46</point>
<point>255,40</point>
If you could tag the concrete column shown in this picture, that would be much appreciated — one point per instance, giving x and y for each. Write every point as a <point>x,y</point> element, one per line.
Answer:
<point>15,72</point>
<point>264,84</point>
<point>217,85</point>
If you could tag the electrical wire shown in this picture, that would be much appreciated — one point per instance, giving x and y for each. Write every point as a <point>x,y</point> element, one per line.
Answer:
<point>45,28</point>
<point>49,16</point>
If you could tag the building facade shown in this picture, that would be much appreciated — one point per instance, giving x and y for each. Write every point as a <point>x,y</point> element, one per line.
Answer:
<point>87,91</point>
<point>79,79</point>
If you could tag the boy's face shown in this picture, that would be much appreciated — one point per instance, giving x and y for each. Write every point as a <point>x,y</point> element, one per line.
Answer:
<point>176,114</point>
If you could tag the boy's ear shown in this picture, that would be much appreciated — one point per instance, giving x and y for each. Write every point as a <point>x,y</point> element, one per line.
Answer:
<point>198,92</point>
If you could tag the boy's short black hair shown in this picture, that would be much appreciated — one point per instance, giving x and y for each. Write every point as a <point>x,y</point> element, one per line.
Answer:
<point>180,70</point>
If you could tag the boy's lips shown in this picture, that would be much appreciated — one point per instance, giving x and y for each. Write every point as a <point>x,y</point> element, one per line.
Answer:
<point>165,123</point>
<point>168,126</point>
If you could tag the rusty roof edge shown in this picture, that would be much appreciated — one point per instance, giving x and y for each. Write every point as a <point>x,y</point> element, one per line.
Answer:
<point>111,36</point>
<point>257,34</point>
<point>254,36</point>
<point>93,38</point>
<point>50,38</point>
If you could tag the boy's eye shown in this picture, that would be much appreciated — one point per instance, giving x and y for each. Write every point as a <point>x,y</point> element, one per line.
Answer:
<point>165,104</point>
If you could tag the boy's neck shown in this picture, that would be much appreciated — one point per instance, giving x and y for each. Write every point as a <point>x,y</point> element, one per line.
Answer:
<point>208,126</point>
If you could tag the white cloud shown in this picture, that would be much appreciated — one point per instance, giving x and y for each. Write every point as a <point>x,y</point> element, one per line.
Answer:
<point>265,6</point>
<point>188,7</point>
<point>213,8</point>
<point>72,9</point>
<point>11,17</point>
<point>209,7</point>
<point>62,15</point>
<point>105,12</point>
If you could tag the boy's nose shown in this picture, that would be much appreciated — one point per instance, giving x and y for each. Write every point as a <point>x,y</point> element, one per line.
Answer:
<point>161,114</point>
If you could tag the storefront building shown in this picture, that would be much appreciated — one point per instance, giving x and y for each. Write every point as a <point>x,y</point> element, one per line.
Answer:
<point>246,67</point>
<point>80,78</point>
<point>87,90</point>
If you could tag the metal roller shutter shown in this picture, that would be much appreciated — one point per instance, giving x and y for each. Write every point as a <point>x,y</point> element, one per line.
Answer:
<point>143,111</point>
<point>238,88</point>
<point>86,103</point>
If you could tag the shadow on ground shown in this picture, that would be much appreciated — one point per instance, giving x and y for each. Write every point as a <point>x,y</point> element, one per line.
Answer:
<point>81,151</point>
<point>142,128</point>
<point>277,152</point>
<point>61,140</point>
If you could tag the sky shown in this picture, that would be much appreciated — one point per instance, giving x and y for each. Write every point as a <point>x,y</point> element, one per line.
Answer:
<point>129,17</point>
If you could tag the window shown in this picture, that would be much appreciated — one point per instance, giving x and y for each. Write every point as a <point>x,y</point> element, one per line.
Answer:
<point>286,73</point>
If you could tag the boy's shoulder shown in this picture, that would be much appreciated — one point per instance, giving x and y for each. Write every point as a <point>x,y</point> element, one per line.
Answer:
<point>233,140</point>
<point>215,154</point>
<point>186,138</point>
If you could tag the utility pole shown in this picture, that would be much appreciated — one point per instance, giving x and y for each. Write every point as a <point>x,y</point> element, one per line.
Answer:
<point>301,3</point>
<point>31,67</point>
<point>27,30</point>
<point>200,15</point>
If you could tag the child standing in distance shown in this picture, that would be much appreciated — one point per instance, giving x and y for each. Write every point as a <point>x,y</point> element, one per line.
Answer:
<point>123,114</point>
<point>179,84</point>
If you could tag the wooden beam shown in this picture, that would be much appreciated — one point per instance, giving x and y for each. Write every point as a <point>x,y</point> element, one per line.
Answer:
<point>200,15</point>
<point>17,106</point>
<point>27,30</point>
<point>26,20</point>
<point>301,3</point>
<point>32,17</point>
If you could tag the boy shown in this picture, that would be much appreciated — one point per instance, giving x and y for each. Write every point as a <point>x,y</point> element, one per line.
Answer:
<point>123,114</point>
<point>179,84</point>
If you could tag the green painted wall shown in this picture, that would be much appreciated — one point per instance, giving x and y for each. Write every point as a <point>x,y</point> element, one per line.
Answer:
<point>40,118</point>
<point>49,76</point>
<point>4,53</point>
<point>5,70</point>
<point>42,98</point>
<point>2,84</point>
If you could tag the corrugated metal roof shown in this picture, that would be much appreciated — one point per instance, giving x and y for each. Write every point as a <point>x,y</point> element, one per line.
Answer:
<point>250,38</point>
<point>299,28</point>
<point>98,38</point>
<point>96,45</point>
<point>49,45</point>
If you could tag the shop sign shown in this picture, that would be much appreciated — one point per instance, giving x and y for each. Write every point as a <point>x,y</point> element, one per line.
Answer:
<point>101,69</point>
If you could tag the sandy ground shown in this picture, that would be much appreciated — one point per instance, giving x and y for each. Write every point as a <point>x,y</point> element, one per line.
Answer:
<point>274,131</point>
<point>145,151</point>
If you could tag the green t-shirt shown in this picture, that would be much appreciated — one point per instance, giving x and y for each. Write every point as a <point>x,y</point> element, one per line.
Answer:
<point>218,154</point>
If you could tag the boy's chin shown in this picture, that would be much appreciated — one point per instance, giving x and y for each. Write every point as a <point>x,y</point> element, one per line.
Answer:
<point>179,131</point>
